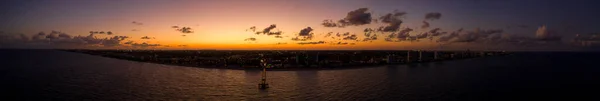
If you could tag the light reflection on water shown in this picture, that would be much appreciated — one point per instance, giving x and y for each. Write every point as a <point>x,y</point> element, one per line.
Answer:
<point>39,75</point>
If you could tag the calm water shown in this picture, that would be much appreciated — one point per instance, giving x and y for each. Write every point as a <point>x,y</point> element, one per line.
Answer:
<point>50,74</point>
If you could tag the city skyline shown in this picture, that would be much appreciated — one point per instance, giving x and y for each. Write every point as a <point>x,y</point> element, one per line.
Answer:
<point>536,25</point>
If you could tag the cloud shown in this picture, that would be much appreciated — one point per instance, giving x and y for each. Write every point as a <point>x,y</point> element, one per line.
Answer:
<point>368,31</point>
<point>392,17</point>
<point>328,34</point>
<point>346,34</point>
<point>425,24</point>
<point>317,42</point>
<point>268,30</point>
<point>253,29</point>
<point>128,42</point>
<point>353,18</point>
<point>304,35</point>
<point>147,37</point>
<point>114,41</point>
<point>370,38</point>
<point>447,38</point>
<point>306,32</point>
<point>101,32</point>
<point>341,43</point>
<point>402,35</point>
<point>330,23</point>
<point>433,16</point>
<point>57,39</point>
<point>137,23</point>
<point>63,35</point>
<point>393,20</point>
<point>436,32</point>
<point>587,40</point>
<point>185,30</point>
<point>250,39</point>
<point>351,37</point>
<point>476,35</point>
<point>543,34</point>
<point>278,36</point>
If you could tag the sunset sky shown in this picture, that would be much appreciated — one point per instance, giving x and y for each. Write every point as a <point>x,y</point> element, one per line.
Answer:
<point>225,24</point>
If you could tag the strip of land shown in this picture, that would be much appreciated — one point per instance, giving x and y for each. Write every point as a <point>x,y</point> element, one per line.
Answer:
<point>287,59</point>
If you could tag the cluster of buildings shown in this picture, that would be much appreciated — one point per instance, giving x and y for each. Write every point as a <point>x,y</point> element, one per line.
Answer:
<point>246,59</point>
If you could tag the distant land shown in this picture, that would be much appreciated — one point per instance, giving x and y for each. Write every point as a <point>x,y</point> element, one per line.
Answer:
<point>287,59</point>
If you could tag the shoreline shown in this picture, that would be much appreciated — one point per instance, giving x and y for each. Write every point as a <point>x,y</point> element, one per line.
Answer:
<point>288,69</point>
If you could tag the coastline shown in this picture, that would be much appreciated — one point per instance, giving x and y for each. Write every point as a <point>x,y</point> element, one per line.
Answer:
<point>297,68</point>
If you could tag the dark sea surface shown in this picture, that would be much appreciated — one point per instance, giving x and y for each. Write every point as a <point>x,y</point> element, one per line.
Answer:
<point>59,75</point>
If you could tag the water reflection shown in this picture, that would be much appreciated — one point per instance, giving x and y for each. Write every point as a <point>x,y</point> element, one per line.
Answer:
<point>91,77</point>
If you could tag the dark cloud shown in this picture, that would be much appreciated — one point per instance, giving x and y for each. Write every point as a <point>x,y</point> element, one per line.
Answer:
<point>447,38</point>
<point>250,39</point>
<point>392,17</point>
<point>135,30</point>
<point>304,35</point>
<point>368,31</point>
<point>353,18</point>
<point>174,26</point>
<point>184,30</point>
<point>269,30</point>
<point>306,32</point>
<point>393,20</point>
<point>101,32</point>
<point>64,35</point>
<point>436,32</point>
<point>422,36</point>
<point>341,43</point>
<point>114,41</point>
<point>317,42</point>
<point>430,34</point>
<point>328,34</point>
<point>351,37</point>
<point>278,36</point>
<point>330,23</point>
<point>346,34</point>
<point>58,39</point>
<point>128,42</point>
<point>253,29</point>
<point>137,23</point>
<point>147,37</point>
<point>476,35</point>
<point>402,35</point>
<point>433,16</point>
<point>425,24</point>
<point>370,38</point>
<point>182,45</point>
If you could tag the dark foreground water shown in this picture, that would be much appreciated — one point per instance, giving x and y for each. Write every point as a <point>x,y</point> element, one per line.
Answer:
<point>58,75</point>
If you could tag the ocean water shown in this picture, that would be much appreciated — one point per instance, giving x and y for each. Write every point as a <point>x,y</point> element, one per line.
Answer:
<point>59,75</point>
